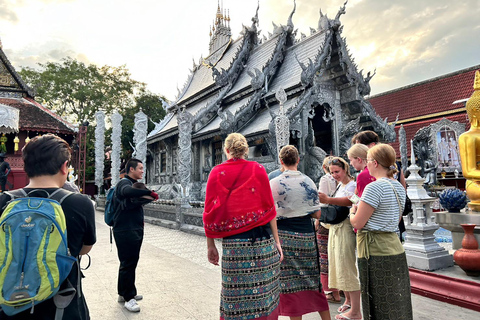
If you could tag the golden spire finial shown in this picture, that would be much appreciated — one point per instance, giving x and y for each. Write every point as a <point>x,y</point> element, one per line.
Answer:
<point>473,104</point>
<point>476,83</point>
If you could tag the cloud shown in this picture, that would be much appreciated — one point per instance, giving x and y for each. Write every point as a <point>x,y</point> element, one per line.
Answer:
<point>6,11</point>
<point>50,51</point>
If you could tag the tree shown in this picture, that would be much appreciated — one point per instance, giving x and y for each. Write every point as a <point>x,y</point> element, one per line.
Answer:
<point>76,91</point>
<point>151,104</point>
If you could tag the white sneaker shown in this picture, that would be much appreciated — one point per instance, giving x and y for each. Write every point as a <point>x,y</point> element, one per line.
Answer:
<point>132,305</point>
<point>138,297</point>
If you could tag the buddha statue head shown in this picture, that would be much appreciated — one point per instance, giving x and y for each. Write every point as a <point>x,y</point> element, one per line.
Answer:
<point>473,104</point>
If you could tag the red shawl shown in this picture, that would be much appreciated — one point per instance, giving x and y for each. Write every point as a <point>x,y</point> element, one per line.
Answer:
<point>238,198</point>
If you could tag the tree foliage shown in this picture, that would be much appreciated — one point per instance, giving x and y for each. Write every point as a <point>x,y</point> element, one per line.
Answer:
<point>151,105</point>
<point>76,91</point>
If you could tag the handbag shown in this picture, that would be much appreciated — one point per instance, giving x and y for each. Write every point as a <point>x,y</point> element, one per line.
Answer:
<point>334,214</point>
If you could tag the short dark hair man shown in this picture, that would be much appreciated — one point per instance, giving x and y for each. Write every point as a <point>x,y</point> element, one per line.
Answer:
<point>46,164</point>
<point>4,171</point>
<point>128,232</point>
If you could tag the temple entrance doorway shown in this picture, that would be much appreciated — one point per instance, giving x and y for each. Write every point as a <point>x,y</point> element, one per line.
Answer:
<point>322,127</point>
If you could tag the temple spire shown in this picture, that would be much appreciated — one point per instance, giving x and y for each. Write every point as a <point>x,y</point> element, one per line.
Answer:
<point>220,33</point>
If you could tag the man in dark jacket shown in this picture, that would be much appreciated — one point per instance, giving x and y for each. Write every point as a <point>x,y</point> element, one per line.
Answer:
<point>128,232</point>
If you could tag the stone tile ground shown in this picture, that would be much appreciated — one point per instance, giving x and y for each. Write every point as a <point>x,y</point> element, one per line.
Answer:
<point>178,282</point>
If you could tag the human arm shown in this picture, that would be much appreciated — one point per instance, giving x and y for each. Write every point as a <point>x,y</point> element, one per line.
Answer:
<point>360,214</point>
<point>341,201</point>
<point>126,190</point>
<point>85,249</point>
<point>273,226</point>
<point>212,251</point>
<point>402,179</point>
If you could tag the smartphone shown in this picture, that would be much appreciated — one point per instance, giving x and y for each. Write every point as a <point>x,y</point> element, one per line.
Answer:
<point>354,199</point>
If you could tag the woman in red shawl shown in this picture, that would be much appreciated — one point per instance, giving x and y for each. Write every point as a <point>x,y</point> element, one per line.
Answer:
<point>239,208</point>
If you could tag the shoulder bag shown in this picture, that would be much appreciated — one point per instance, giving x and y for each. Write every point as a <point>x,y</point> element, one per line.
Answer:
<point>334,214</point>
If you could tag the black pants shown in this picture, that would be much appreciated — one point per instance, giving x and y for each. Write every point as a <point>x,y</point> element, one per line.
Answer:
<point>3,182</point>
<point>128,248</point>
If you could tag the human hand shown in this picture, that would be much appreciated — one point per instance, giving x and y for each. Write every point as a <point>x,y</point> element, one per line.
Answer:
<point>213,255</point>
<point>280,251</point>
<point>323,197</point>
<point>154,195</point>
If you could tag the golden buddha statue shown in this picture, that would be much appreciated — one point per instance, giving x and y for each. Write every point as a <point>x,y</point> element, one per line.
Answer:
<point>469,145</point>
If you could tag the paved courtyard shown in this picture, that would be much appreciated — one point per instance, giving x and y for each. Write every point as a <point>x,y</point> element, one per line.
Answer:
<point>178,282</point>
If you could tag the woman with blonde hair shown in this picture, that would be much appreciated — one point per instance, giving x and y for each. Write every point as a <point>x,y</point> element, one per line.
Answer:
<point>342,269</point>
<point>251,247</point>
<point>296,201</point>
<point>357,154</point>
<point>382,262</point>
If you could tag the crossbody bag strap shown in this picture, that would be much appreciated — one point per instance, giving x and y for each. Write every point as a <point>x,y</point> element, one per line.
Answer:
<point>338,187</point>
<point>396,196</point>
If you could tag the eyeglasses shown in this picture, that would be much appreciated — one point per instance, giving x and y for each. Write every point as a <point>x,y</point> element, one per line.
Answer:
<point>370,160</point>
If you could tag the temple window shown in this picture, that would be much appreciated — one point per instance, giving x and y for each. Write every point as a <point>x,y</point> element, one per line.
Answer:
<point>175,159</point>
<point>218,152</point>
<point>163,162</point>
<point>258,149</point>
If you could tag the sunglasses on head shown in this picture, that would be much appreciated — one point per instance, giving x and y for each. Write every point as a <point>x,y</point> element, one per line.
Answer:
<point>336,162</point>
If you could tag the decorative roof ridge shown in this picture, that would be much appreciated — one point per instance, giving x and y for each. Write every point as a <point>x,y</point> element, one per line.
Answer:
<point>160,125</point>
<point>261,79</point>
<point>227,78</point>
<point>29,91</point>
<point>423,82</point>
<point>51,113</point>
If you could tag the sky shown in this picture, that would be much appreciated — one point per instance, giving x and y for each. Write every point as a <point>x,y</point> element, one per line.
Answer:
<point>405,41</point>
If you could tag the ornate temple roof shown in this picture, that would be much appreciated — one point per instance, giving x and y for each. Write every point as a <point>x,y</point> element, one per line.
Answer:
<point>233,89</point>
<point>32,115</point>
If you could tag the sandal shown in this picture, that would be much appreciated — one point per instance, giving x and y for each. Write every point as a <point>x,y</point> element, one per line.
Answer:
<point>343,308</point>
<point>331,298</point>
<point>344,317</point>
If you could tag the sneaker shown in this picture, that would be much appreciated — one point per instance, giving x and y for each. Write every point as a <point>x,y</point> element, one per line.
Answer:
<point>132,305</point>
<point>138,297</point>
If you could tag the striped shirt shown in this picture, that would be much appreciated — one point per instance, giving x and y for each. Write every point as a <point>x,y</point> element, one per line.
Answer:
<point>380,195</point>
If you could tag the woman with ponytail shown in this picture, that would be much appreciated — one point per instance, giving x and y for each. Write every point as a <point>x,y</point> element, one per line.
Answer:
<point>383,269</point>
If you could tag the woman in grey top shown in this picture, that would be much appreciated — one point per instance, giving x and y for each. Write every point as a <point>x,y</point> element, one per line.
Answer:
<point>382,264</point>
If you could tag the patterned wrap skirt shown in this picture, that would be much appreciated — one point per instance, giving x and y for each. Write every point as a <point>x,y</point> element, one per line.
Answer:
<point>250,276</point>
<point>301,289</point>
<point>385,285</point>
<point>322,240</point>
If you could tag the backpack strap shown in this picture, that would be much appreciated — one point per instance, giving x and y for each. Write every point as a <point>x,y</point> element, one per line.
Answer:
<point>59,195</point>
<point>19,193</point>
